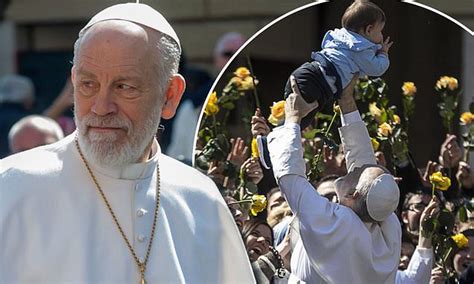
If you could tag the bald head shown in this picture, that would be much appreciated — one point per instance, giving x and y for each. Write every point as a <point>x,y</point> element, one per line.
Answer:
<point>148,44</point>
<point>33,131</point>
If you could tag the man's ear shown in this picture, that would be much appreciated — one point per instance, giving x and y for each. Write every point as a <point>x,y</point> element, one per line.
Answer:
<point>404,216</point>
<point>73,73</point>
<point>173,96</point>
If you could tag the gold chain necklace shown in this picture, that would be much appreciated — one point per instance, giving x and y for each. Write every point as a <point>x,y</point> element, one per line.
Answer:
<point>141,265</point>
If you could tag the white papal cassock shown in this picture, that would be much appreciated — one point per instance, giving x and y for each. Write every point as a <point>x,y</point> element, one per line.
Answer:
<point>55,227</point>
<point>336,246</point>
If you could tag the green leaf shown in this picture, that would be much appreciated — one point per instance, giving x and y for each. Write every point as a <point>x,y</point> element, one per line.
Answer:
<point>228,105</point>
<point>446,220</point>
<point>462,214</point>
<point>251,187</point>
<point>312,133</point>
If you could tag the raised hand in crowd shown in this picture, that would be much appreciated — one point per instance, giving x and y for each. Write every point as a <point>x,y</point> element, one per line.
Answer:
<point>64,101</point>
<point>425,237</point>
<point>431,167</point>
<point>334,163</point>
<point>450,153</point>
<point>437,276</point>
<point>216,172</point>
<point>464,175</point>
<point>259,124</point>
<point>238,152</point>
<point>252,170</point>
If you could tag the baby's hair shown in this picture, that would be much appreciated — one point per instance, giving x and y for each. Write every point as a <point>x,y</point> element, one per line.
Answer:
<point>360,14</point>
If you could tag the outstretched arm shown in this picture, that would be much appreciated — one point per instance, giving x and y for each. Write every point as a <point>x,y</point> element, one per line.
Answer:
<point>354,135</point>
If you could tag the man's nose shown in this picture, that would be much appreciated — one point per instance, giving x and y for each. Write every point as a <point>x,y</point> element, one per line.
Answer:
<point>104,103</point>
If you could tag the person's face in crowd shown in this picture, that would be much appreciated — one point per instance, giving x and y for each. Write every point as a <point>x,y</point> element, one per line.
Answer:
<point>405,255</point>
<point>374,32</point>
<point>276,200</point>
<point>117,99</point>
<point>29,138</point>
<point>463,258</point>
<point>230,46</point>
<point>411,216</point>
<point>258,242</point>
<point>240,216</point>
<point>327,189</point>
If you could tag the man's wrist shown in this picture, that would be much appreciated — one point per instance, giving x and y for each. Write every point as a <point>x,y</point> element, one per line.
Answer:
<point>347,104</point>
<point>292,119</point>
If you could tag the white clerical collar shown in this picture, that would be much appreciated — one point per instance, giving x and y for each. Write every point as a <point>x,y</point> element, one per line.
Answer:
<point>133,171</point>
<point>136,170</point>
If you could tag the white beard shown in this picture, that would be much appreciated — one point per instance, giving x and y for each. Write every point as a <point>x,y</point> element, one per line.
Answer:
<point>109,149</point>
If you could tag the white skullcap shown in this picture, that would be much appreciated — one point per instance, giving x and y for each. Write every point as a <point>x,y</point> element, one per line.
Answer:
<point>382,198</point>
<point>138,13</point>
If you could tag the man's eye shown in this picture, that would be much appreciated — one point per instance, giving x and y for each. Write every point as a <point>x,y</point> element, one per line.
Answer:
<point>124,87</point>
<point>88,84</point>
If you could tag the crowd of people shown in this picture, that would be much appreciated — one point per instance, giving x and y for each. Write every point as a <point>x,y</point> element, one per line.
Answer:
<point>274,228</point>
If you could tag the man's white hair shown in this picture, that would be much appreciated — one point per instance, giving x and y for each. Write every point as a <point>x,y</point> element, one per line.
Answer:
<point>43,124</point>
<point>166,58</point>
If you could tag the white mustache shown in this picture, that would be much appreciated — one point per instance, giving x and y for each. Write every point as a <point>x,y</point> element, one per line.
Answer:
<point>92,120</point>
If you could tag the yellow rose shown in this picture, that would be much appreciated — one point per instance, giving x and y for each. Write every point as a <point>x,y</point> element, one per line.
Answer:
<point>259,203</point>
<point>460,240</point>
<point>254,148</point>
<point>277,113</point>
<point>396,119</point>
<point>384,129</point>
<point>447,82</point>
<point>211,108</point>
<point>452,83</point>
<point>409,89</point>
<point>375,144</point>
<point>439,181</point>
<point>336,108</point>
<point>467,118</point>
<point>236,82</point>
<point>375,111</point>
<point>246,83</point>
<point>242,72</point>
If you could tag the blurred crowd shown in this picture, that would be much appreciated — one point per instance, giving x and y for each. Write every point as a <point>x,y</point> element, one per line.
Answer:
<point>23,127</point>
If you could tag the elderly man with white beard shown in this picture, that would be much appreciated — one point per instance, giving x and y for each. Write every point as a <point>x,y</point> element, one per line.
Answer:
<point>103,205</point>
<point>357,240</point>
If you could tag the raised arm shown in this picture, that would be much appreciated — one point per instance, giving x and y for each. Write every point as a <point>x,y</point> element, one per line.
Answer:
<point>354,135</point>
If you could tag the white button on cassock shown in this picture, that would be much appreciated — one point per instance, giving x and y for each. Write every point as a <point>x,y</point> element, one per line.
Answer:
<point>141,212</point>
<point>141,238</point>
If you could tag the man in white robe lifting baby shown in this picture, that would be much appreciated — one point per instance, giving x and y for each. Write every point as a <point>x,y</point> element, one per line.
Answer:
<point>358,239</point>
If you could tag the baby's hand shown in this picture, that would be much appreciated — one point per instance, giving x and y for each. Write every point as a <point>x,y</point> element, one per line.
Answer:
<point>386,44</point>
